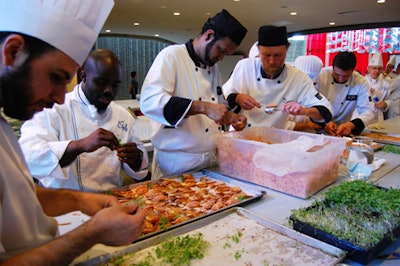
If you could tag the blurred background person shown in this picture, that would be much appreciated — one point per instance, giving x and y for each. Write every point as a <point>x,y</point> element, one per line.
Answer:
<point>134,85</point>
<point>388,73</point>
<point>378,87</point>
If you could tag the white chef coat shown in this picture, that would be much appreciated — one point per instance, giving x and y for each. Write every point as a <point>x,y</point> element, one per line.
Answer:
<point>291,85</point>
<point>23,224</point>
<point>395,98</point>
<point>347,97</point>
<point>46,136</point>
<point>181,143</point>
<point>381,90</point>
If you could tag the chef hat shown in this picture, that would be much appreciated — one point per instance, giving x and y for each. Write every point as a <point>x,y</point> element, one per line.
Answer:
<point>272,36</point>
<point>229,26</point>
<point>254,52</point>
<point>309,64</point>
<point>392,61</point>
<point>72,26</point>
<point>376,60</point>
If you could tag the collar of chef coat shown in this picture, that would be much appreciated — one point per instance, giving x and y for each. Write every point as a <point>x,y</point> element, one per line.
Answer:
<point>92,109</point>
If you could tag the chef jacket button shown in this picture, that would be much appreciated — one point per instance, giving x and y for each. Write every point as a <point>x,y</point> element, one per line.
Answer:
<point>197,69</point>
<point>219,128</point>
<point>206,130</point>
<point>333,83</point>
<point>258,79</point>
<point>342,103</point>
<point>200,99</point>
<point>209,72</point>
<point>213,99</point>
<point>249,125</point>
<point>279,81</point>
<point>347,85</point>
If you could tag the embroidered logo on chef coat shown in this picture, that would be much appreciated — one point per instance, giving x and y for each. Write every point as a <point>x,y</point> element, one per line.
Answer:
<point>318,96</point>
<point>122,125</point>
<point>351,97</point>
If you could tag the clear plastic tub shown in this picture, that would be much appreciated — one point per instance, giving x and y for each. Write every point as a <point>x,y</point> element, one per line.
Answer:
<point>296,163</point>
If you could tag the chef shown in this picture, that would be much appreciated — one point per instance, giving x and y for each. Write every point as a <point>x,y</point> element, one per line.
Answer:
<point>267,81</point>
<point>378,87</point>
<point>348,91</point>
<point>78,144</point>
<point>182,95</point>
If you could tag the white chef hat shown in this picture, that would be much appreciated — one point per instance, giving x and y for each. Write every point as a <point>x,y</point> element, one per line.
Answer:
<point>253,52</point>
<point>72,26</point>
<point>376,60</point>
<point>392,61</point>
<point>309,64</point>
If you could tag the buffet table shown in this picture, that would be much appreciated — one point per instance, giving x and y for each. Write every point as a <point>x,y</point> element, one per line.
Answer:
<point>274,206</point>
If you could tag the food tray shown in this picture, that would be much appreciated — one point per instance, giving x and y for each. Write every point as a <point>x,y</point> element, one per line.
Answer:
<point>384,138</point>
<point>261,242</point>
<point>354,252</point>
<point>255,194</point>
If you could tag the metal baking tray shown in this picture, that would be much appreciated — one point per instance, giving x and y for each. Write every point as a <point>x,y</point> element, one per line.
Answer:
<point>255,194</point>
<point>262,242</point>
<point>379,140</point>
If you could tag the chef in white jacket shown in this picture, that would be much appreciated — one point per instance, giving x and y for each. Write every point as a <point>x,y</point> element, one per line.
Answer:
<point>259,82</point>
<point>348,91</point>
<point>182,95</point>
<point>83,143</point>
<point>378,87</point>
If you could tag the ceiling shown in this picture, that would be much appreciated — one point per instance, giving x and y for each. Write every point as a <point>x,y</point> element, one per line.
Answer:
<point>156,16</point>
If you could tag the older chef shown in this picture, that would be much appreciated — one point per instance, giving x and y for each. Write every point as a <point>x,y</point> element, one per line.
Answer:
<point>42,43</point>
<point>182,95</point>
<point>378,87</point>
<point>348,91</point>
<point>76,145</point>
<point>267,80</point>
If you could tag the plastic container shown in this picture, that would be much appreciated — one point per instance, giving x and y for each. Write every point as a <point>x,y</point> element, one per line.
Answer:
<point>296,163</point>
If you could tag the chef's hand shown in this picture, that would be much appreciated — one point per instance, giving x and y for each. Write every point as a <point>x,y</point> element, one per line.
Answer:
<point>247,102</point>
<point>381,105</point>
<point>117,225</point>
<point>130,154</point>
<point>219,113</point>
<point>331,128</point>
<point>239,122</point>
<point>292,108</point>
<point>99,138</point>
<point>345,129</point>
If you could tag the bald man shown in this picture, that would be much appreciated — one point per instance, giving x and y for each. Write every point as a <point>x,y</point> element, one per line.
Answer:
<point>84,143</point>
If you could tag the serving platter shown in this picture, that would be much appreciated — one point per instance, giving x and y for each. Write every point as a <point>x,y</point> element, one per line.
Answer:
<point>385,138</point>
<point>177,200</point>
<point>236,237</point>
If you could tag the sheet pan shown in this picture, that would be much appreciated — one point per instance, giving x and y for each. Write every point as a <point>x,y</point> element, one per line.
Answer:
<point>263,242</point>
<point>255,194</point>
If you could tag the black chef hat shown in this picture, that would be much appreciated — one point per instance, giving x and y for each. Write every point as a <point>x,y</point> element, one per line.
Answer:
<point>272,36</point>
<point>229,26</point>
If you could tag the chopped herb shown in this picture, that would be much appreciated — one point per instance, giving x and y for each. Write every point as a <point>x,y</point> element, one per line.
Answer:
<point>241,198</point>
<point>391,148</point>
<point>164,223</point>
<point>181,250</point>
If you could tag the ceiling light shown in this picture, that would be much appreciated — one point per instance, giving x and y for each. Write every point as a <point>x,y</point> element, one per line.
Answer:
<point>156,35</point>
<point>177,14</point>
<point>108,30</point>
<point>293,13</point>
<point>332,23</point>
<point>136,24</point>
<point>381,1</point>
<point>236,0</point>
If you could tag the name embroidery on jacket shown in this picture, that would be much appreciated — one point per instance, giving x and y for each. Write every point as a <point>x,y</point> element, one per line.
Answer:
<point>351,97</point>
<point>122,125</point>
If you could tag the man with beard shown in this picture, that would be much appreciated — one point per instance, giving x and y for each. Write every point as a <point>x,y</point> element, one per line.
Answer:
<point>182,95</point>
<point>266,80</point>
<point>347,91</point>
<point>36,65</point>
<point>84,143</point>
